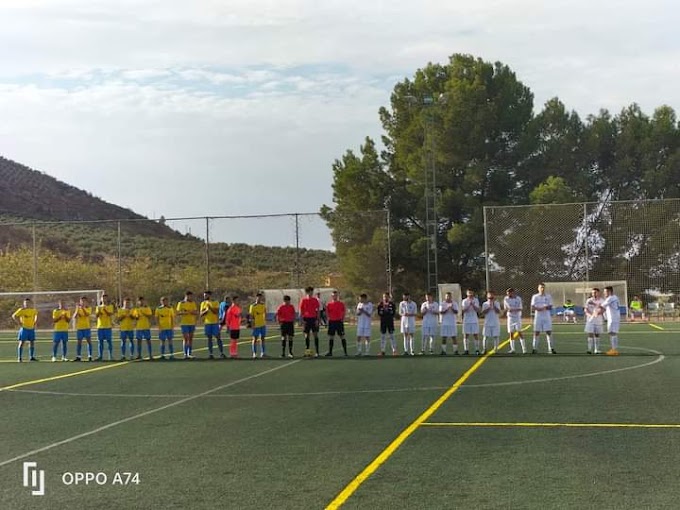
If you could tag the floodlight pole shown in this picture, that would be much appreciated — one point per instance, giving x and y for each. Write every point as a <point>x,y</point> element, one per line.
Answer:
<point>430,174</point>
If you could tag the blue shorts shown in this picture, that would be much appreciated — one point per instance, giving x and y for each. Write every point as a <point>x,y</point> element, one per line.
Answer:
<point>104,334</point>
<point>84,334</point>
<point>26,335</point>
<point>212,330</point>
<point>143,334</point>
<point>260,332</point>
<point>165,334</point>
<point>188,329</point>
<point>127,335</point>
<point>60,336</point>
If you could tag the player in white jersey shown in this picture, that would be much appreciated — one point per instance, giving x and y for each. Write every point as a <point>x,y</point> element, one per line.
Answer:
<point>541,305</point>
<point>594,320</point>
<point>612,309</point>
<point>491,310</point>
<point>448,313</point>
<point>407,312</point>
<point>512,304</point>
<point>364,312</point>
<point>470,309</point>
<point>430,312</point>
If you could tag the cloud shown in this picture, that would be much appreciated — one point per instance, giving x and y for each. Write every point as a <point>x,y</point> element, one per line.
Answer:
<point>120,97</point>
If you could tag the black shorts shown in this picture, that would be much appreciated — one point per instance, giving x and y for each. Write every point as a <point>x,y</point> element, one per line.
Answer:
<point>386,327</point>
<point>336,328</point>
<point>311,325</point>
<point>234,334</point>
<point>287,329</point>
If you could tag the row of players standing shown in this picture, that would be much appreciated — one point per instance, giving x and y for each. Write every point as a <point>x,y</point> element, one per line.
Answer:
<point>438,319</point>
<point>442,318</point>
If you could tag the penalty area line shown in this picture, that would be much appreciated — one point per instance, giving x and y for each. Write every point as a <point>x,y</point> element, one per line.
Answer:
<point>554,425</point>
<point>354,485</point>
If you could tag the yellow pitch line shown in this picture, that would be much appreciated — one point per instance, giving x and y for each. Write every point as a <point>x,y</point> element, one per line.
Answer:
<point>63,376</point>
<point>91,370</point>
<point>556,425</point>
<point>655,326</point>
<point>352,487</point>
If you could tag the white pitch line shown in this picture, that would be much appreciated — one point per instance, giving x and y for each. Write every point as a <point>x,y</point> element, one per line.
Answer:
<point>236,395</point>
<point>659,359</point>
<point>143,414</point>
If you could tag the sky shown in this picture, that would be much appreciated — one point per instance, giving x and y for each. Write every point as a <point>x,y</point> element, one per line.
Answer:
<point>240,107</point>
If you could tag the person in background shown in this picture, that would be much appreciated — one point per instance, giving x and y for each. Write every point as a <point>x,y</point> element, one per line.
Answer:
<point>569,313</point>
<point>637,309</point>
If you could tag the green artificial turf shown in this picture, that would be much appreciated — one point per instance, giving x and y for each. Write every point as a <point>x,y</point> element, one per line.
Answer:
<point>280,433</point>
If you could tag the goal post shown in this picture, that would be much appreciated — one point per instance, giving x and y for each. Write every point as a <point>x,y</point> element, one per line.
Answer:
<point>44,302</point>
<point>453,288</point>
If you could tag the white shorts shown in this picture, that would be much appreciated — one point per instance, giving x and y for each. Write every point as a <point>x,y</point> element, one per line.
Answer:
<point>492,330</point>
<point>364,331</point>
<point>429,330</point>
<point>408,325</point>
<point>541,325</point>
<point>471,328</point>
<point>514,325</point>
<point>593,329</point>
<point>449,331</point>
<point>613,326</point>
<point>569,313</point>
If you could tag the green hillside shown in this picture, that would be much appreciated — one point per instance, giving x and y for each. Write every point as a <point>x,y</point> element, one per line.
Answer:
<point>155,258</point>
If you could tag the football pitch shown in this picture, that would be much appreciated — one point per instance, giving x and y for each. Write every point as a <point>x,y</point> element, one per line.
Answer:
<point>496,431</point>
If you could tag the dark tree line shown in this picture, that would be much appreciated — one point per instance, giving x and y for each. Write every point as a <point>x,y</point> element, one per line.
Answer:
<point>490,148</point>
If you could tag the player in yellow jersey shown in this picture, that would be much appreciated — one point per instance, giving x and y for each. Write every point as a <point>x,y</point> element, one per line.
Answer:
<point>82,317</point>
<point>105,313</point>
<point>188,314</point>
<point>26,317</point>
<point>165,318</point>
<point>126,321</point>
<point>60,318</point>
<point>142,314</point>
<point>257,317</point>
<point>210,314</point>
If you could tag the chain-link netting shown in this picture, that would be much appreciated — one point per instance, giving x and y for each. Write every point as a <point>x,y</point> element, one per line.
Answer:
<point>636,242</point>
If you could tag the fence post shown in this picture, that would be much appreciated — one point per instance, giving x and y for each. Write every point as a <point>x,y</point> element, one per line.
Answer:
<point>120,267</point>
<point>35,259</point>
<point>389,250</point>
<point>297,249</point>
<point>585,241</point>
<point>207,253</point>
<point>486,250</point>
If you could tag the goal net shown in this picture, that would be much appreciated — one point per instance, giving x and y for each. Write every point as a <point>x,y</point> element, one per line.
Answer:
<point>44,302</point>
<point>274,298</point>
